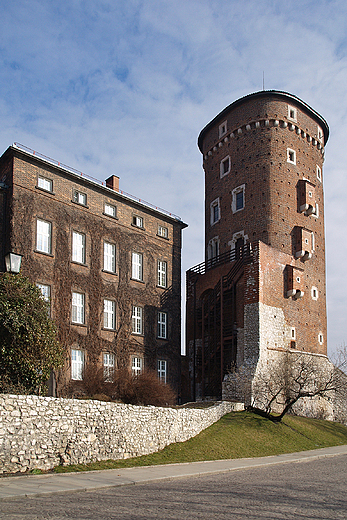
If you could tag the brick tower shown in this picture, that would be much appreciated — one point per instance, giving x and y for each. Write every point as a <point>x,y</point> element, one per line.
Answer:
<point>261,289</point>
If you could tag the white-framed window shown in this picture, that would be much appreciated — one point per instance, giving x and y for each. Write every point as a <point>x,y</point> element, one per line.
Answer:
<point>214,211</point>
<point>292,113</point>
<point>46,294</point>
<point>162,370</point>
<point>163,231</point>
<point>109,314</point>
<point>109,257</point>
<point>162,273</point>
<point>320,338</point>
<point>291,156</point>
<point>78,247</point>
<point>225,166</point>
<point>137,320</point>
<point>44,184</point>
<point>43,236</point>
<point>223,129</point>
<point>79,198</point>
<point>77,364</point>
<point>314,293</point>
<point>137,221</point>
<point>110,210</point>
<point>213,248</point>
<point>137,266</point>
<point>136,365</point>
<point>162,325</point>
<point>319,173</point>
<point>109,366</point>
<point>238,198</point>
<point>78,308</point>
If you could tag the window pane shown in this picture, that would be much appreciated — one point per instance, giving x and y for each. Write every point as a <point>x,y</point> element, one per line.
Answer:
<point>110,210</point>
<point>109,257</point>
<point>162,321</point>
<point>136,365</point>
<point>136,267</point>
<point>109,314</point>
<point>77,308</point>
<point>44,184</point>
<point>137,320</point>
<point>109,364</point>
<point>78,247</point>
<point>162,270</point>
<point>43,236</point>
<point>77,364</point>
<point>162,370</point>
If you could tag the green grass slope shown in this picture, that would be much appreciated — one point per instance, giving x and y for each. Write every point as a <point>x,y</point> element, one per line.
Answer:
<point>237,435</point>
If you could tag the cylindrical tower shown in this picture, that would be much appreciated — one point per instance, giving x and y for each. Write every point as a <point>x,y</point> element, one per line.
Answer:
<point>263,159</point>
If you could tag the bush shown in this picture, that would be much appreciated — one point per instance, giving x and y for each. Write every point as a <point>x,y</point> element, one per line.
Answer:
<point>143,389</point>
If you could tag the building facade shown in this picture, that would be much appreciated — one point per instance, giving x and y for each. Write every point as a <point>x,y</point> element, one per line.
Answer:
<point>261,290</point>
<point>109,265</point>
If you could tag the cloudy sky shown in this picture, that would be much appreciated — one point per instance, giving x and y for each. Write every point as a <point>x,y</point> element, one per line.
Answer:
<point>125,86</point>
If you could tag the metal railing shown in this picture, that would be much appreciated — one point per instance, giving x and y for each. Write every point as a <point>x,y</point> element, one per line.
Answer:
<point>244,252</point>
<point>92,179</point>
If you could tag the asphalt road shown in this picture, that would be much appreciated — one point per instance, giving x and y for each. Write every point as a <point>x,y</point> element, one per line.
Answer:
<point>306,490</point>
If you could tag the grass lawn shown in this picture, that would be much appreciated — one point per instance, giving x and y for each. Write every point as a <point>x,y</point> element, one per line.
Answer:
<point>237,435</point>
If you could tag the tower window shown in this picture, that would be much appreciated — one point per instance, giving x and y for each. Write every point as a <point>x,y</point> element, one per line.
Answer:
<point>291,156</point>
<point>214,211</point>
<point>238,198</point>
<point>225,166</point>
<point>320,338</point>
<point>292,113</point>
<point>223,129</point>
<point>314,293</point>
<point>319,173</point>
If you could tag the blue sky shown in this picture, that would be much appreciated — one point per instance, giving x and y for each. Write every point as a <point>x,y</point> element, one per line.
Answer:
<point>125,86</point>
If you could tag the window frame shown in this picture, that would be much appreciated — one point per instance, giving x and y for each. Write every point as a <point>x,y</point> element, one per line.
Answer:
<point>77,195</point>
<point>215,204</point>
<point>213,248</point>
<point>136,365</point>
<point>236,191</point>
<point>46,296</point>
<point>45,180</point>
<point>223,172</point>
<point>109,257</point>
<point>223,128</point>
<point>109,365</point>
<point>162,370</point>
<point>114,213</point>
<point>137,266</point>
<point>162,320</point>
<point>137,221</point>
<point>319,173</point>
<point>163,231</point>
<point>109,314</point>
<point>77,365</point>
<point>78,250</point>
<point>137,320</point>
<point>295,113</point>
<point>291,156</point>
<point>78,308</point>
<point>44,238</point>
<point>162,274</point>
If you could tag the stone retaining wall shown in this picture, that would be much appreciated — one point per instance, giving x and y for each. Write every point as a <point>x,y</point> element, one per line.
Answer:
<point>43,432</point>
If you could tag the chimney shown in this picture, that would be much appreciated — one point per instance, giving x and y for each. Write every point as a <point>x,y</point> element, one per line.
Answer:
<point>113,182</point>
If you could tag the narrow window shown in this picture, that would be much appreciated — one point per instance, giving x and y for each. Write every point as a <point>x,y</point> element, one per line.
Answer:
<point>291,156</point>
<point>46,294</point>
<point>238,198</point>
<point>314,293</point>
<point>78,310</point>
<point>80,198</point>
<point>137,266</point>
<point>319,173</point>
<point>162,325</point>
<point>110,210</point>
<point>109,314</point>
<point>292,113</point>
<point>109,257</point>
<point>136,365</point>
<point>292,333</point>
<point>213,248</point>
<point>225,166</point>
<point>137,321</point>
<point>320,338</point>
<point>45,184</point>
<point>214,211</point>
<point>163,231</point>
<point>162,370</point>
<point>162,274</point>
<point>137,221</point>
<point>223,129</point>
<point>77,364</point>
<point>78,247</point>
<point>109,364</point>
<point>43,236</point>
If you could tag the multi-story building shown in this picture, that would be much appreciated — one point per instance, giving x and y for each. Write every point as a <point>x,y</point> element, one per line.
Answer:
<point>109,265</point>
<point>261,289</point>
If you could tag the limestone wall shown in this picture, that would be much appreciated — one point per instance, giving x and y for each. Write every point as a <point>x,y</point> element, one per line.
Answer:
<point>43,432</point>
